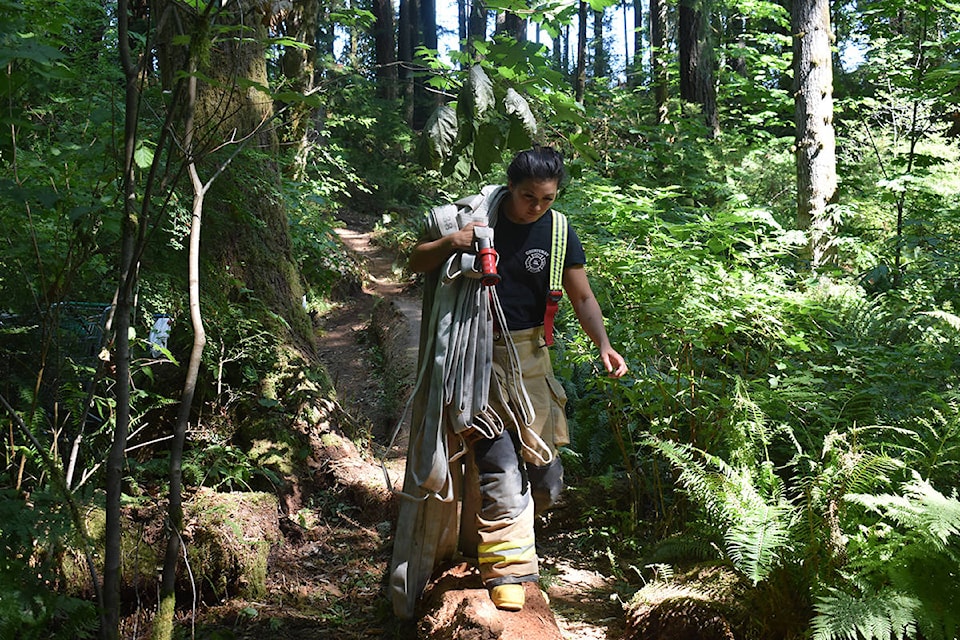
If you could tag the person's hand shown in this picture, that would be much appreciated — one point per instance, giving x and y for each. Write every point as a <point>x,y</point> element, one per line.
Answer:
<point>462,240</point>
<point>614,363</point>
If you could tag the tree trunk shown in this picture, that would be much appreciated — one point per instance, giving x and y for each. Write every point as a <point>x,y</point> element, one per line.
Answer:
<point>425,100</point>
<point>110,604</point>
<point>298,65</point>
<point>580,83</point>
<point>428,23</point>
<point>815,140</point>
<point>557,53</point>
<point>477,27</point>
<point>736,31</point>
<point>513,25</point>
<point>688,44</point>
<point>407,40</point>
<point>599,53</point>
<point>696,61</point>
<point>385,49</point>
<point>633,65</point>
<point>658,58</point>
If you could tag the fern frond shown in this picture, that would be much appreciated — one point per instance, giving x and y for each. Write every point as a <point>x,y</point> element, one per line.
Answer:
<point>870,471</point>
<point>952,320</point>
<point>684,549</point>
<point>921,509</point>
<point>756,530</point>
<point>879,616</point>
<point>699,483</point>
<point>755,544</point>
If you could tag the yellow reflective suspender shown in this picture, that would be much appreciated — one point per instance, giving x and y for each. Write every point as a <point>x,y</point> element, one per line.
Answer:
<point>558,251</point>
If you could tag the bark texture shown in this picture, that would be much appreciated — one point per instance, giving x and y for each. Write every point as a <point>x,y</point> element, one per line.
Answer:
<point>385,49</point>
<point>658,56</point>
<point>697,61</point>
<point>816,153</point>
<point>580,81</point>
<point>247,244</point>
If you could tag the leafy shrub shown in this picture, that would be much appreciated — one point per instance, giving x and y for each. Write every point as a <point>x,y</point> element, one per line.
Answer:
<point>32,602</point>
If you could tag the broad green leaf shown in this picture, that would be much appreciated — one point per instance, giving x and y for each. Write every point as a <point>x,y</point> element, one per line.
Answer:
<point>581,142</point>
<point>517,106</point>
<point>481,90</point>
<point>439,135</point>
<point>486,147</point>
<point>517,138</point>
<point>143,155</point>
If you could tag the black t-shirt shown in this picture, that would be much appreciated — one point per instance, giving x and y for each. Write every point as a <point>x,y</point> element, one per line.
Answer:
<point>524,267</point>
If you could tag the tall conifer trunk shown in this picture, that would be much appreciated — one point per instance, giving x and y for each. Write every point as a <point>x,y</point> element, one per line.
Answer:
<point>580,81</point>
<point>815,140</point>
<point>385,49</point>
<point>658,57</point>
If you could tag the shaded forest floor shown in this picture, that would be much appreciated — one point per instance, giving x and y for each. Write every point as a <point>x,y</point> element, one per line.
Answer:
<point>327,578</point>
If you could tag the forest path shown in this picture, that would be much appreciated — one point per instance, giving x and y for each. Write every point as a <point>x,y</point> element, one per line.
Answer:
<point>369,345</point>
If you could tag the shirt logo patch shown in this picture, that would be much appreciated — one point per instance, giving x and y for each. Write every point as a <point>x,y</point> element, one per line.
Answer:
<point>536,260</point>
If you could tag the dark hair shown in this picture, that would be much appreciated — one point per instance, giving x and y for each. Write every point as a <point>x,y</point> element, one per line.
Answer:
<point>538,163</point>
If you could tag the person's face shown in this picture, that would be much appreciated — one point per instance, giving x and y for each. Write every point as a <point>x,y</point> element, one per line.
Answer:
<point>530,199</point>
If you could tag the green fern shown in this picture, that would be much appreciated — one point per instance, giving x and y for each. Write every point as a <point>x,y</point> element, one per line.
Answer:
<point>756,544</point>
<point>901,579</point>
<point>756,529</point>
<point>879,616</point>
<point>695,546</point>
<point>921,509</point>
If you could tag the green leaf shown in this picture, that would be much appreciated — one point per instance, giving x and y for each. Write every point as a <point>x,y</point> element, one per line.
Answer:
<point>481,90</point>
<point>517,138</point>
<point>143,155</point>
<point>517,106</point>
<point>581,142</point>
<point>287,41</point>
<point>439,136</point>
<point>486,148</point>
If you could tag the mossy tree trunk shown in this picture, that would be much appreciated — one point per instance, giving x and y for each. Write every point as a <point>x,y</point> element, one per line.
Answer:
<point>225,130</point>
<point>248,246</point>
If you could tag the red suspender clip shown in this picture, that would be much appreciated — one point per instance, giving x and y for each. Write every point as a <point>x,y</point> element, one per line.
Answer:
<point>553,303</point>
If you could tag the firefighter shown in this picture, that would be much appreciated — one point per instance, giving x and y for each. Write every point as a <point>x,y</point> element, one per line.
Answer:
<point>517,471</point>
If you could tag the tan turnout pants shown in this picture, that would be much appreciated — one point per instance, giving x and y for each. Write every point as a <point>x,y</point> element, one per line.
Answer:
<point>505,471</point>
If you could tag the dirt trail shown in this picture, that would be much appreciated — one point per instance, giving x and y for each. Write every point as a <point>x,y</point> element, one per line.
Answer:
<point>369,345</point>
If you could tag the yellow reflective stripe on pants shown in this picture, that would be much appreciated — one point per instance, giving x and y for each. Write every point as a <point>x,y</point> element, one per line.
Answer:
<point>510,552</point>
